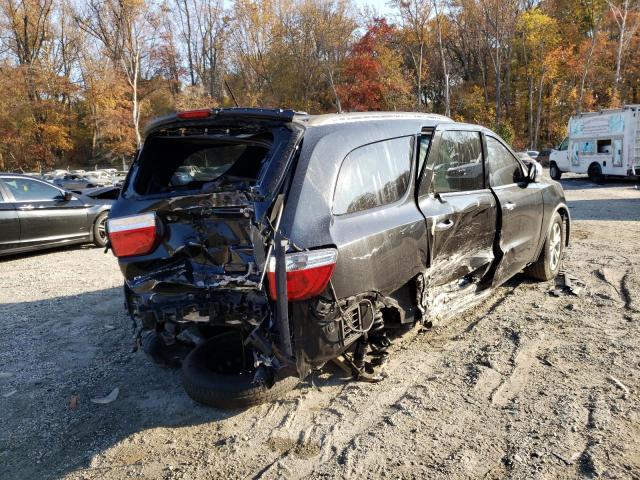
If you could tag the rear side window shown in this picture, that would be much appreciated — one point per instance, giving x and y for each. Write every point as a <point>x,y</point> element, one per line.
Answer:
<point>503,167</point>
<point>373,175</point>
<point>457,164</point>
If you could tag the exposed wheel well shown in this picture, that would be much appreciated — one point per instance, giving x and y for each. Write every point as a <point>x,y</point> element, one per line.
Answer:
<point>594,164</point>
<point>564,213</point>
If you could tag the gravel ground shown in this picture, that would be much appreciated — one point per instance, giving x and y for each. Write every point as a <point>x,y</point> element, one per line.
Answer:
<point>527,385</point>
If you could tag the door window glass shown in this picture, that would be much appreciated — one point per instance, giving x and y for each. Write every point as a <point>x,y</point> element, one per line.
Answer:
<point>423,150</point>
<point>373,175</point>
<point>26,190</point>
<point>503,167</point>
<point>564,146</point>
<point>457,164</point>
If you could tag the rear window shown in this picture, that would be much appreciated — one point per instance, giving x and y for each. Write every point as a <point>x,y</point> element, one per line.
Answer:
<point>174,163</point>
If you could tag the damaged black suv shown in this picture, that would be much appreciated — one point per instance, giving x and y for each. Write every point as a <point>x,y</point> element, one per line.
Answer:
<point>257,245</point>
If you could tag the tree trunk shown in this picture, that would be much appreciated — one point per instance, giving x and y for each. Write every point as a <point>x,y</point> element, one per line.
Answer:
<point>622,25</point>
<point>135,105</point>
<point>419,83</point>
<point>189,52</point>
<point>445,72</point>
<point>539,111</point>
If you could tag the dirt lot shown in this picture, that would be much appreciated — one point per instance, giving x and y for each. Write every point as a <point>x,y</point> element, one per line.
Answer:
<point>528,385</point>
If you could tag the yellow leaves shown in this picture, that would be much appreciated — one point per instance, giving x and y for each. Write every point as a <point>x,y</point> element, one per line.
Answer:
<point>56,136</point>
<point>538,28</point>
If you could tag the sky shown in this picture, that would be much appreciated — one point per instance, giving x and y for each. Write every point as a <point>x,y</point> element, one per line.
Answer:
<point>379,5</point>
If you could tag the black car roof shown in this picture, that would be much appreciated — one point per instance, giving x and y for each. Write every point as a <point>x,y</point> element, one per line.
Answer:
<point>292,116</point>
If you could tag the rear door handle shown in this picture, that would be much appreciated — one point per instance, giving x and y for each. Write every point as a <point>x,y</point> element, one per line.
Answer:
<point>26,207</point>
<point>509,206</point>
<point>444,225</point>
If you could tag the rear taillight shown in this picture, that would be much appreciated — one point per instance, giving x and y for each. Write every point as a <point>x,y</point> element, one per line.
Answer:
<point>307,273</point>
<point>194,114</point>
<point>134,235</point>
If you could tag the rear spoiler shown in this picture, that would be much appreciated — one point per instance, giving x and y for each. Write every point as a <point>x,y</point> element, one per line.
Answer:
<point>256,114</point>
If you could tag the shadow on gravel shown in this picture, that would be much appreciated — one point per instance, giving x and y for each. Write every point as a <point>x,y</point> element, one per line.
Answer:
<point>80,347</point>
<point>579,183</point>
<point>46,251</point>
<point>611,209</point>
<point>59,353</point>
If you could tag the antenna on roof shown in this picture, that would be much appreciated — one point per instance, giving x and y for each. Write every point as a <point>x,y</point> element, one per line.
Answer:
<point>231,92</point>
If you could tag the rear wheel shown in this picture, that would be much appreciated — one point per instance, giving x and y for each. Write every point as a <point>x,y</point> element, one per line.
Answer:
<point>554,171</point>
<point>548,264</point>
<point>100,230</point>
<point>595,173</point>
<point>220,373</point>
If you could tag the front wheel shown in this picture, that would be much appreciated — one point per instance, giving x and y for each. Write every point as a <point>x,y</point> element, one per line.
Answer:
<point>100,230</point>
<point>554,171</point>
<point>548,264</point>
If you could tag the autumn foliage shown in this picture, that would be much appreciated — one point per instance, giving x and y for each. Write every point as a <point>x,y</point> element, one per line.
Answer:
<point>377,80</point>
<point>78,80</point>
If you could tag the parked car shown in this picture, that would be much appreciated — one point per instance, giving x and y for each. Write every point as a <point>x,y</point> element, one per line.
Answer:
<point>530,153</point>
<point>35,214</point>
<point>101,193</point>
<point>82,181</point>
<point>525,157</point>
<point>600,144</point>
<point>315,236</point>
<point>119,177</point>
<point>543,157</point>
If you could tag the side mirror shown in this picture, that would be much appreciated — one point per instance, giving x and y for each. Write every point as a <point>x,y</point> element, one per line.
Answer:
<point>534,171</point>
<point>67,196</point>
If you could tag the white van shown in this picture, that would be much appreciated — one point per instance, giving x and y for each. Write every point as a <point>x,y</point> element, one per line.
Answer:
<point>600,144</point>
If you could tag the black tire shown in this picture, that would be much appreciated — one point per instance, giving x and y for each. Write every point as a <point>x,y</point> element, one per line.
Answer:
<point>554,171</point>
<point>595,173</point>
<point>100,230</point>
<point>228,391</point>
<point>547,266</point>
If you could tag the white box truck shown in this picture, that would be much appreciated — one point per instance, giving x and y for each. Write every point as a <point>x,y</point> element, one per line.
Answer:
<point>600,144</point>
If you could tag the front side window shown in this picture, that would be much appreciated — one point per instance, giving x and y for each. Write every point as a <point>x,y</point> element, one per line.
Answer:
<point>373,175</point>
<point>503,167</point>
<point>26,190</point>
<point>564,145</point>
<point>457,163</point>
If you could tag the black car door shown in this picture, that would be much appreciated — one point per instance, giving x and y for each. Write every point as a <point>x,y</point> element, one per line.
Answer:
<point>520,206</point>
<point>45,216</point>
<point>9,222</point>
<point>459,208</point>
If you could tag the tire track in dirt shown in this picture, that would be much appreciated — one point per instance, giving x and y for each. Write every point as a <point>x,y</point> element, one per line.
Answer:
<point>523,361</point>
<point>337,421</point>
